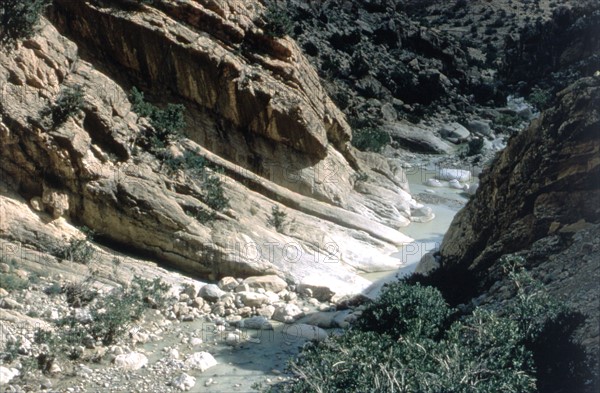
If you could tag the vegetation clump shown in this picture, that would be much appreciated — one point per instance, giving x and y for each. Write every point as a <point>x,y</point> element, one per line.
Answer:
<point>410,340</point>
<point>197,166</point>
<point>278,218</point>
<point>166,123</point>
<point>277,21</point>
<point>69,102</point>
<point>19,19</point>
<point>370,139</point>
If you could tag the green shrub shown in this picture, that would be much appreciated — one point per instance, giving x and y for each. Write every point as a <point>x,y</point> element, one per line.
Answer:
<point>505,120</point>
<point>54,289</point>
<point>12,282</point>
<point>277,22</point>
<point>214,195</point>
<point>213,192</point>
<point>19,19</point>
<point>400,311</point>
<point>166,123</point>
<point>75,250</point>
<point>409,340</point>
<point>113,314</point>
<point>474,146</point>
<point>69,102</point>
<point>370,139</point>
<point>539,98</point>
<point>277,219</point>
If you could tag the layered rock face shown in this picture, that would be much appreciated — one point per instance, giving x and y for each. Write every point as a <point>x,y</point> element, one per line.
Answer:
<point>540,199</point>
<point>254,108</point>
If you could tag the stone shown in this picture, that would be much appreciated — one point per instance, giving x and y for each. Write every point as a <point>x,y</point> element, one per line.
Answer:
<point>253,299</point>
<point>454,174</point>
<point>434,183</point>
<point>9,304</point>
<point>266,311</point>
<point>455,132</point>
<point>211,292</point>
<point>418,138</point>
<point>287,313</point>
<point>320,292</point>
<point>228,283</point>
<point>7,374</point>
<point>422,214</point>
<point>268,283</point>
<point>303,330</point>
<point>200,361</point>
<point>479,127</point>
<point>131,361</point>
<point>183,382</point>
<point>256,322</point>
<point>455,184</point>
<point>427,264</point>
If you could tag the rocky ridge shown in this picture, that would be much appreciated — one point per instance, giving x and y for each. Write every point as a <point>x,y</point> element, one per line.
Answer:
<point>260,116</point>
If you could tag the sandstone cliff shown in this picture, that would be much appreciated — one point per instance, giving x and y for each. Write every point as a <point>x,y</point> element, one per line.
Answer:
<point>541,200</point>
<point>254,108</point>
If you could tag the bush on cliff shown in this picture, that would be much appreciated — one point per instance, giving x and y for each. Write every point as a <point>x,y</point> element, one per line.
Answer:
<point>410,340</point>
<point>19,18</point>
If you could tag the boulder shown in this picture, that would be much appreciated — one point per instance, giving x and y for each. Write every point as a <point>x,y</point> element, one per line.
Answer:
<point>287,313</point>
<point>268,283</point>
<point>228,283</point>
<point>253,299</point>
<point>211,292</point>
<point>200,361</point>
<point>256,322</point>
<point>183,382</point>
<point>454,174</point>
<point>303,330</point>
<point>7,374</point>
<point>131,361</point>
<point>319,292</point>
<point>479,127</point>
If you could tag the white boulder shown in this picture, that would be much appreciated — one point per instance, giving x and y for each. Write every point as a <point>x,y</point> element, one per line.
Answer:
<point>131,361</point>
<point>201,361</point>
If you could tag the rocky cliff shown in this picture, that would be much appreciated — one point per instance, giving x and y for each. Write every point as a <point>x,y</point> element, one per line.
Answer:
<point>540,199</point>
<point>254,109</point>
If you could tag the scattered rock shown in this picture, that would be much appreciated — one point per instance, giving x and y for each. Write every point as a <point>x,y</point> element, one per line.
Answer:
<point>253,299</point>
<point>7,374</point>
<point>256,322</point>
<point>454,174</point>
<point>228,283</point>
<point>309,332</point>
<point>211,292</point>
<point>321,293</point>
<point>434,183</point>
<point>184,382</point>
<point>131,361</point>
<point>200,361</point>
<point>479,127</point>
<point>287,313</point>
<point>268,283</point>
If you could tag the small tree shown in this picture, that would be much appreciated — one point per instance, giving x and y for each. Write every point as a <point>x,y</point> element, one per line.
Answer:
<point>69,102</point>
<point>278,218</point>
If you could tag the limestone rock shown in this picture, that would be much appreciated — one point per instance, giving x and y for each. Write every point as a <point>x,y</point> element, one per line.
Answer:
<point>131,361</point>
<point>303,330</point>
<point>287,313</point>
<point>211,292</point>
<point>253,299</point>
<point>7,374</point>
<point>200,361</point>
<point>183,382</point>
<point>268,283</point>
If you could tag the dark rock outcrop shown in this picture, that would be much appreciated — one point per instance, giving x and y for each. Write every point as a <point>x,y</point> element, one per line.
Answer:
<point>541,200</point>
